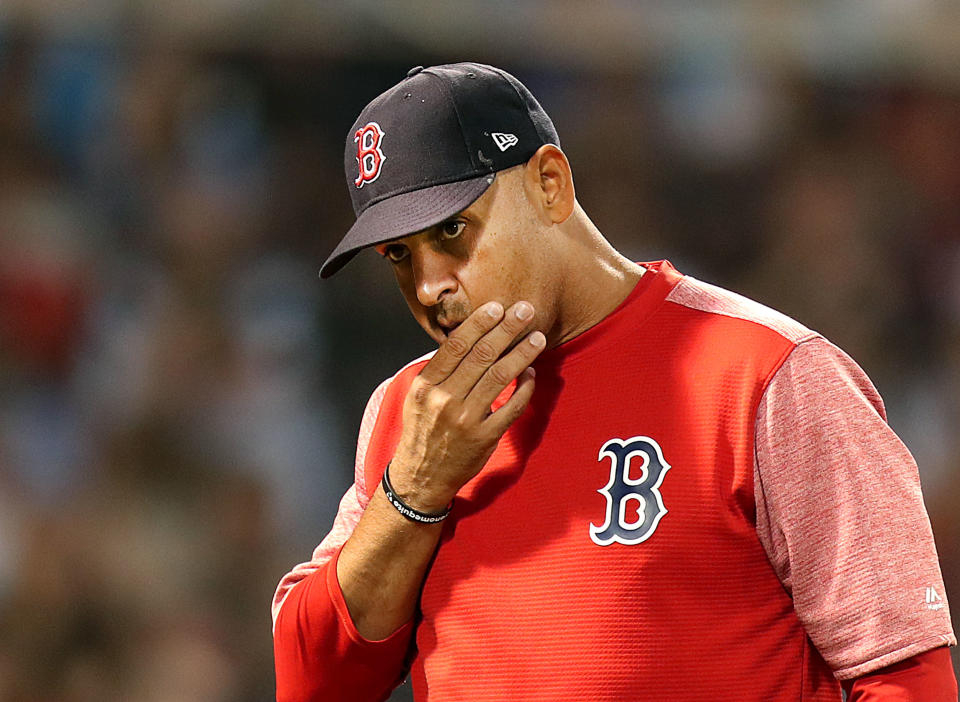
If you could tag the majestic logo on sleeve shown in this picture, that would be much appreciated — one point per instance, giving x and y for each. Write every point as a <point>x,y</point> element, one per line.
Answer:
<point>370,156</point>
<point>626,494</point>
<point>934,601</point>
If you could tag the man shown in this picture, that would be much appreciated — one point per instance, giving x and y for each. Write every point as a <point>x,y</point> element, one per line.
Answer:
<point>610,481</point>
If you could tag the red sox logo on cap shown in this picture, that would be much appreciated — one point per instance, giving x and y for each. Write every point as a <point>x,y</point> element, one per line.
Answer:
<point>370,156</point>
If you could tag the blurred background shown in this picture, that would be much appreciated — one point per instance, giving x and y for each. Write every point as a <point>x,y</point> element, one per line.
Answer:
<point>179,392</point>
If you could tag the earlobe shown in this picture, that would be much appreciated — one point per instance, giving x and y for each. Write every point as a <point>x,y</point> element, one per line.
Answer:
<point>554,182</point>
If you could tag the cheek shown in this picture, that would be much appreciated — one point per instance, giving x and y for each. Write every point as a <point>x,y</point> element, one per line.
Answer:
<point>501,272</point>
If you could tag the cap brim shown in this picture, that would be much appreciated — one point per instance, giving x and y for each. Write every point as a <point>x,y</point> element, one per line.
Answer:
<point>405,214</point>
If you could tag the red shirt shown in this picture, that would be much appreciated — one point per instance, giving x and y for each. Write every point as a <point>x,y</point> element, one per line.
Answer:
<point>702,501</point>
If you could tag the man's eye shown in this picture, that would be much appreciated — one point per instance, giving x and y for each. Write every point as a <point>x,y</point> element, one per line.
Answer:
<point>396,253</point>
<point>451,229</point>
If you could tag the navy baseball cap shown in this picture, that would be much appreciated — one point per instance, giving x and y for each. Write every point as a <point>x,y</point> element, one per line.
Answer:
<point>430,145</point>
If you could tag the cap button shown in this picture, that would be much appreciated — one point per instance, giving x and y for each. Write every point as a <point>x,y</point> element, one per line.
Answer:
<point>414,71</point>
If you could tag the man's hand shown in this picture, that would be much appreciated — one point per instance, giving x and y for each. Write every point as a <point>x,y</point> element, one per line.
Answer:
<point>449,432</point>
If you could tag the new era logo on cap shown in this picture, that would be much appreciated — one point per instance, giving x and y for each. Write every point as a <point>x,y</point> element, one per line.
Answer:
<point>504,141</point>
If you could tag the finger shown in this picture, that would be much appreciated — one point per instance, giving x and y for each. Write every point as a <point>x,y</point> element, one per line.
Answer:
<point>499,375</point>
<point>488,348</point>
<point>498,422</point>
<point>460,341</point>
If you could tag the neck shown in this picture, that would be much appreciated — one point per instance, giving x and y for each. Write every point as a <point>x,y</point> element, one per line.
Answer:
<point>593,280</point>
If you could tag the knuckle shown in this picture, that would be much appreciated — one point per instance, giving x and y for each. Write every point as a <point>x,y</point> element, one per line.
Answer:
<point>463,420</point>
<point>499,374</point>
<point>439,401</point>
<point>484,352</point>
<point>457,346</point>
<point>419,392</point>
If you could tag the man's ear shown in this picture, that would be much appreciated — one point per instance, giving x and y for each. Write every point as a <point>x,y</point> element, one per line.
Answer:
<point>549,183</point>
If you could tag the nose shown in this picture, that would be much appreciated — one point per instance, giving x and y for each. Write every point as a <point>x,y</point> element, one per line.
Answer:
<point>433,275</point>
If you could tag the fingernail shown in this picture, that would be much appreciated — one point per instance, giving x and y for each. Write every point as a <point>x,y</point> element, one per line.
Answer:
<point>494,309</point>
<point>533,371</point>
<point>524,311</point>
<point>537,339</point>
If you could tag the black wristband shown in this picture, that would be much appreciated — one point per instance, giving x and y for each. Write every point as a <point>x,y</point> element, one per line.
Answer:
<point>407,511</point>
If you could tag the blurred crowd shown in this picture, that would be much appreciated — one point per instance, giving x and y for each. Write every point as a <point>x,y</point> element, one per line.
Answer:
<point>179,393</point>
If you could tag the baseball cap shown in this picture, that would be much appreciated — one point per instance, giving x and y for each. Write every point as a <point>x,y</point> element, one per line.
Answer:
<point>429,146</point>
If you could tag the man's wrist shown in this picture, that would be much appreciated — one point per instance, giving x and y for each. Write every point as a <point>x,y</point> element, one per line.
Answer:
<point>423,494</point>
<point>411,512</point>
